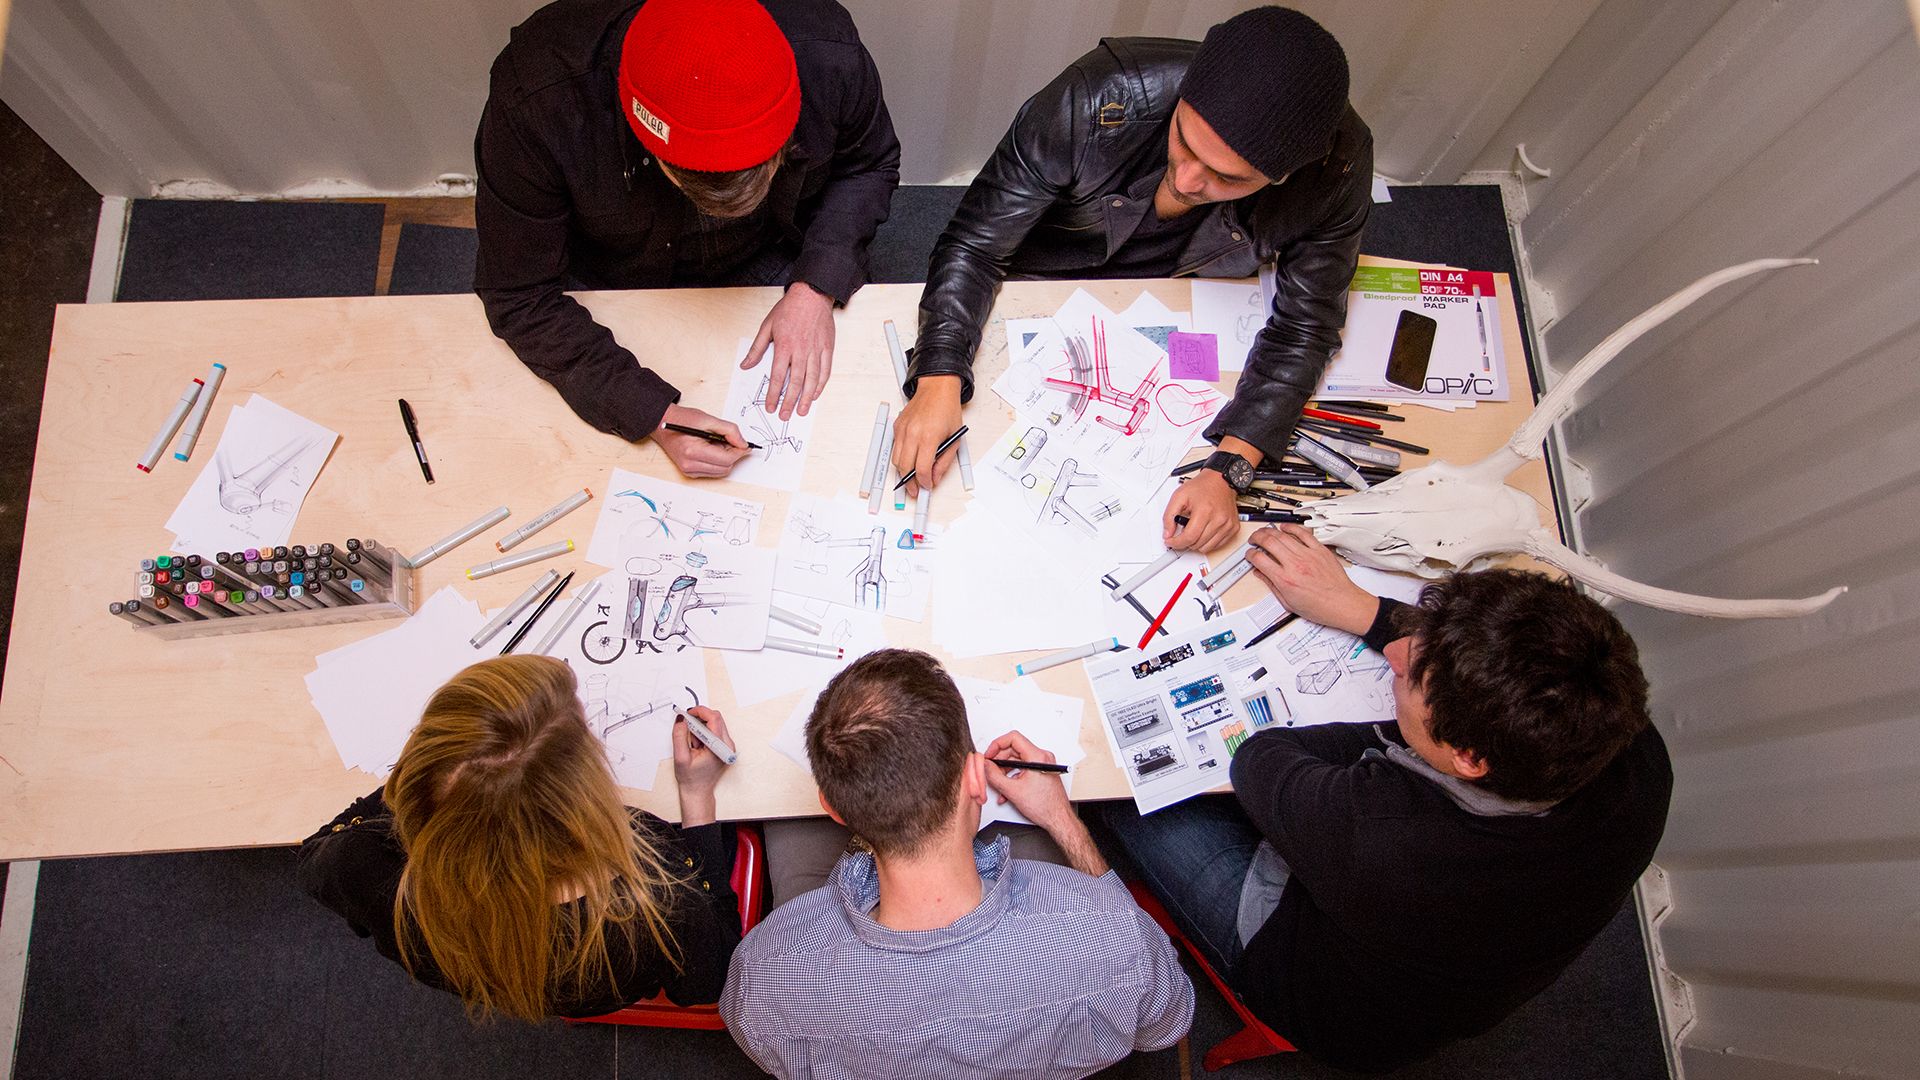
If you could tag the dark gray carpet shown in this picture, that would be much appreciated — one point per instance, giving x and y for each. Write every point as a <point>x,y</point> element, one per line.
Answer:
<point>433,260</point>
<point>47,220</point>
<point>214,965</point>
<point>181,250</point>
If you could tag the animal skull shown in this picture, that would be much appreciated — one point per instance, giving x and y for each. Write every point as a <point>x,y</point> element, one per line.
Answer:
<point>1444,516</point>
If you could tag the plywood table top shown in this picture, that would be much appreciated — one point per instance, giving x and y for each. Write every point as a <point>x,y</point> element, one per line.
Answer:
<point>111,741</point>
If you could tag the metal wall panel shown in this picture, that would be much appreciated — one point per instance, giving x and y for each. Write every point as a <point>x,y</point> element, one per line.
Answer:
<point>365,96</point>
<point>1767,443</point>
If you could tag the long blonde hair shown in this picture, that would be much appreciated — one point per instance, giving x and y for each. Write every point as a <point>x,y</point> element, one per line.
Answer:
<point>504,802</point>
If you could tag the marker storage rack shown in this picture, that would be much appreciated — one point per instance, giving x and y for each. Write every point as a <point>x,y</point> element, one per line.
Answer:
<point>279,589</point>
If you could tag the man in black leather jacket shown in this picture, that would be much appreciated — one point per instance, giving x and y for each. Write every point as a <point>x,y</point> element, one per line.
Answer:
<point>1152,157</point>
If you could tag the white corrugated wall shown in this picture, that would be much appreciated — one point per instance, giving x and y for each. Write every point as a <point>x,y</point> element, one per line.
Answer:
<point>1765,444</point>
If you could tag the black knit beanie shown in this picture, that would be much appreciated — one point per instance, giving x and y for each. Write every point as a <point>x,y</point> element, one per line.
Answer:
<point>1272,83</point>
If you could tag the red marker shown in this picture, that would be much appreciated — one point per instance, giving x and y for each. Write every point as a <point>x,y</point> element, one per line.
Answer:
<point>1164,612</point>
<point>1340,418</point>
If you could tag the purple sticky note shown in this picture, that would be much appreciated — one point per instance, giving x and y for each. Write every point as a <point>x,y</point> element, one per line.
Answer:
<point>1193,356</point>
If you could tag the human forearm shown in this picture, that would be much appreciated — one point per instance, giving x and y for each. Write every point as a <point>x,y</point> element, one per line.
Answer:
<point>1076,843</point>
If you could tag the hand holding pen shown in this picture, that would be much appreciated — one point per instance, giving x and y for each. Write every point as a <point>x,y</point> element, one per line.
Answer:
<point>1040,795</point>
<point>697,769</point>
<point>700,455</point>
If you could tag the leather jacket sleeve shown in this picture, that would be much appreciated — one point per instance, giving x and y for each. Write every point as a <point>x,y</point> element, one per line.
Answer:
<point>1290,353</point>
<point>522,210</point>
<point>1033,165</point>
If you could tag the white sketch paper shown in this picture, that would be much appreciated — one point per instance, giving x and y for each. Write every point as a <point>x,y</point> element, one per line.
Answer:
<point>641,509</point>
<point>630,684</point>
<point>773,673</point>
<point>1232,311</point>
<point>782,456</point>
<point>251,492</point>
<point>715,598</point>
<point>834,550</point>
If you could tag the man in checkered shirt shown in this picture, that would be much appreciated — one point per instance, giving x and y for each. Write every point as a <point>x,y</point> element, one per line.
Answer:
<point>933,956</point>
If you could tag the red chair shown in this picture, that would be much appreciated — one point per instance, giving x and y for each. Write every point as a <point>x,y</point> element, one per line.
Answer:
<point>1255,1039</point>
<point>750,885</point>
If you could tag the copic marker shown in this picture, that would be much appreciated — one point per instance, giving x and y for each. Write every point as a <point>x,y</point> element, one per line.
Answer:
<point>580,601</point>
<point>539,610</point>
<point>460,536</point>
<point>806,648</point>
<point>794,619</point>
<point>1233,577</point>
<point>879,485</point>
<point>559,510</point>
<point>174,419</point>
<point>1121,590</point>
<point>497,566</point>
<point>508,613</point>
<point>146,614</point>
<point>1068,656</point>
<point>922,503</point>
<point>120,609</point>
<point>706,735</point>
<point>197,416</point>
<point>873,449</point>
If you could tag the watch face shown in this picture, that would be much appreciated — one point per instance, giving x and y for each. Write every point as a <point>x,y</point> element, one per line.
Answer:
<point>1237,471</point>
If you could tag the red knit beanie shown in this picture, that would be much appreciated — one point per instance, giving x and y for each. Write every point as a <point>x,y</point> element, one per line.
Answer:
<point>709,85</point>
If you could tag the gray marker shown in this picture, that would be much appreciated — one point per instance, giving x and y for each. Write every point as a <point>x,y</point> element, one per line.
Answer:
<point>561,509</point>
<point>513,610</point>
<point>159,444</point>
<point>1228,567</point>
<point>467,532</point>
<point>1125,588</point>
<point>873,450</point>
<point>198,417</point>
<point>502,565</point>
<point>794,619</point>
<point>145,613</point>
<point>1329,460</point>
<point>580,601</point>
<point>1362,452</point>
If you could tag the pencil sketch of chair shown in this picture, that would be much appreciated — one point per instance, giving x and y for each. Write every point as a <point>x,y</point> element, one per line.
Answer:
<point>240,492</point>
<point>1443,517</point>
<point>1055,510</point>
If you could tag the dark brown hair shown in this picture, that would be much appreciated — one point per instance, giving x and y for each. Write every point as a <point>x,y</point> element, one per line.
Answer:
<point>887,741</point>
<point>726,194</point>
<point>1525,671</point>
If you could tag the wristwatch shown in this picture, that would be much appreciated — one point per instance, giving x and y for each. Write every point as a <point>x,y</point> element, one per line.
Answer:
<point>1237,471</point>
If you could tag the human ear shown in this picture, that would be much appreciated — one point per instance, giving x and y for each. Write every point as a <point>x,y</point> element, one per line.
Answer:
<point>824,805</point>
<point>973,779</point>
<point>1467,765</point>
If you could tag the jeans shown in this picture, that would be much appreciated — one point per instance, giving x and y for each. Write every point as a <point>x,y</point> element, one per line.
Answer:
<point>1194,857</point>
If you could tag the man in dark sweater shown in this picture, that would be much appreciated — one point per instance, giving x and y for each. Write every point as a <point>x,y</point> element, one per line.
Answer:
<point>1151,157</point>
<point>1373,892</point>
<point>669,143</point>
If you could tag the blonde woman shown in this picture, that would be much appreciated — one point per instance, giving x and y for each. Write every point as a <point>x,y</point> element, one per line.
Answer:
<point>499,864</point>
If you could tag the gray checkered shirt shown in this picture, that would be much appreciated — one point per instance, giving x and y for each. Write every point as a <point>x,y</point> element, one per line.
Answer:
<point>1055,974</point>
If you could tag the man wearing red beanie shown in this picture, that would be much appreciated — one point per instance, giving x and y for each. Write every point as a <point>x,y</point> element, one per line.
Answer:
<point>631,144</point>
<point>1151,157</point>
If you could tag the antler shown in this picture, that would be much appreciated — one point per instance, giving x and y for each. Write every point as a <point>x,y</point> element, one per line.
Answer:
<point>1585,569</point>
<point>1528,440</point>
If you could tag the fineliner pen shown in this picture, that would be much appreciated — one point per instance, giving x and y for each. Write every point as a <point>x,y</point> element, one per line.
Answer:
<point>806,648</point>
<point>172,424</point>
<point>1276,626</point>
<point>559,510</point>
<point>197,417</point>
<point>460,536</point>
<point>705,734</point>
<point>794,619</point>
<point>1015,765</point>
<point>1068,656</point>
<point>1273,517</point>
<point>413,436</point>
<point>497,566</point>
<point>873,449</point>
<point>539,610</point>
<point>1121,590</point>
<point>512,610</point>
<point>580,601</point>
<point>937,451</point>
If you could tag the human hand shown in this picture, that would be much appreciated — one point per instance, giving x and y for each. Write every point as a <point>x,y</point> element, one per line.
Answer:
<point>1041,796</point>
<point>696,769</point>
<point>800,329</point>
<point>695,456</point>
<point>1309,578</point>
<point>1207,501</point>
<point>932,415</point>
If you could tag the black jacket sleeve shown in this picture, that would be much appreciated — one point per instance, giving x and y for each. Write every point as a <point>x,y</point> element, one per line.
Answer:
<point>521,209</point>
<point>1311,278</point>
<point>347,863</point>
<point>1298,788</point>
<point>1033,165</point>
<point>706,918</point>
<point>859,190</point>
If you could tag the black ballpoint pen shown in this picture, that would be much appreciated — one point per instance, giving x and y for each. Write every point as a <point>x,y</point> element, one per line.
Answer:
<point>413,433</point>
<point>937,451</point>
